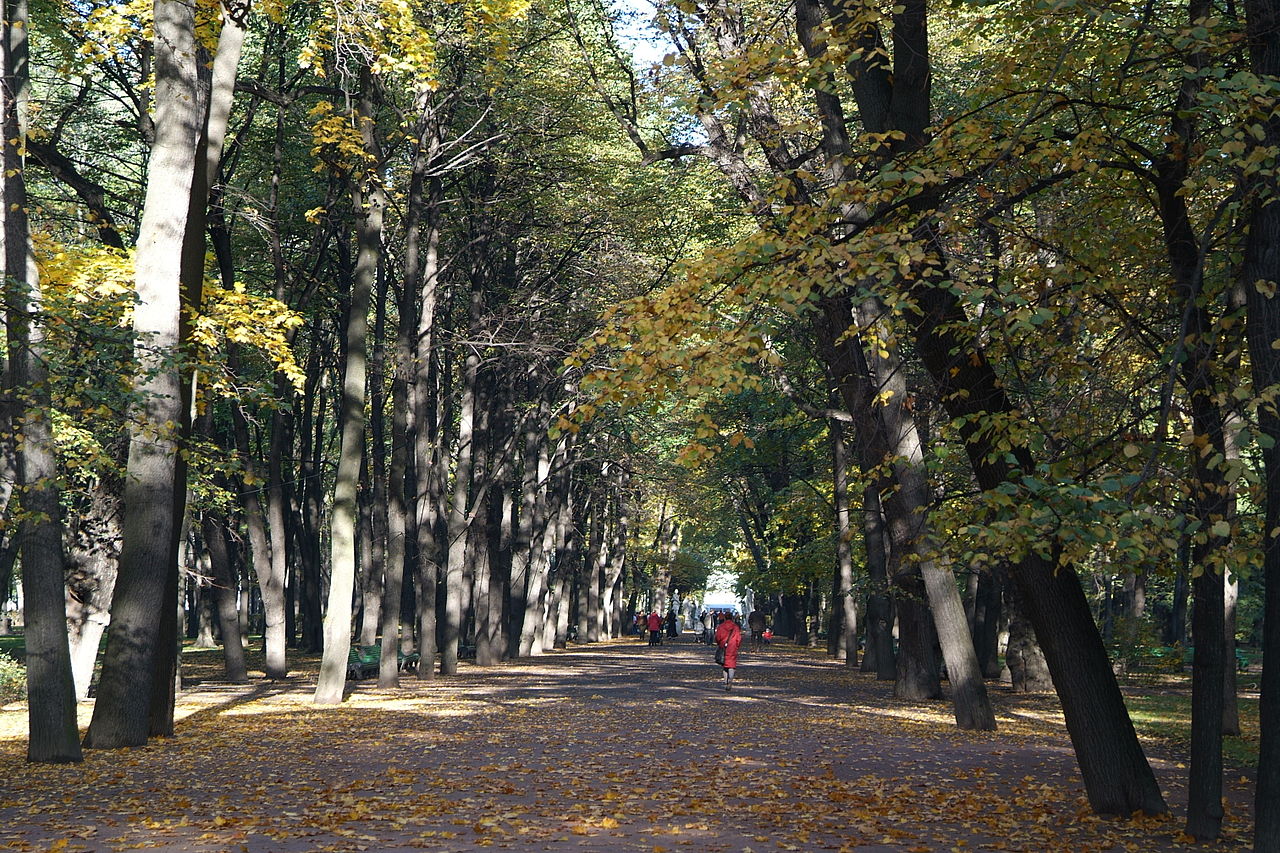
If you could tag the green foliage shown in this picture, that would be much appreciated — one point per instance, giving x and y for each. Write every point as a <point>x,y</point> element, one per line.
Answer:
<point>13,680</point>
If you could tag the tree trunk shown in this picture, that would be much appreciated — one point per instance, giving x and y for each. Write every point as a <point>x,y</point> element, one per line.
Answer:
<point>225,592</point>
<point>148,562</point>
<point>1027,668</point>
<point>846,603</point>
<point>986,628</point>
<point>429,455</point>
<point>549,508</point>
<point>1260,275</point>
<point>370,201</point>
<point>880,616</point>
<point>458,521</point>
<point>51,692</point>
<point>93,550</point>
<point>271,585</point>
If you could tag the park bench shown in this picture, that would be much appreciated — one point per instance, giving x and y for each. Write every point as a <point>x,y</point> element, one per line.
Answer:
<point>1185,656</point>
<point>363,661</point>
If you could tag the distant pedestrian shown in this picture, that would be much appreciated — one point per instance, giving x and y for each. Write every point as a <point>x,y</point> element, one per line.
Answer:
<point>672,629</point>
<point>756,624</point>
<point>655,629</point>
<point>707,629</point>
<point>728,639</point>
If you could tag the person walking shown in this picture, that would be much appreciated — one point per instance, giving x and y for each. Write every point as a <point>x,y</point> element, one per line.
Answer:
<point>728,639</point>
<point>756,623</point>
<point>655,629</point>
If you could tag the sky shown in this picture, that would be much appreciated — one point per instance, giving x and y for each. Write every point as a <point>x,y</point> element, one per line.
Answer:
<point>638,34</point>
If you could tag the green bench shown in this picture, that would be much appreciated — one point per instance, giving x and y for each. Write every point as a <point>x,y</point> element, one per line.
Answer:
<point>1169,653</point>
<point>1176,658</point>
<point>364,661</point>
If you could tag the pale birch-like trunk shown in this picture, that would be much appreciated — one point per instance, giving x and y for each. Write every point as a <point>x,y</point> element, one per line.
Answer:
<point>148,562</point>
<point>846,603</point>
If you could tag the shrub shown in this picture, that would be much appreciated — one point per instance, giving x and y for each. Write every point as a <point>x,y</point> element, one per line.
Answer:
<point>13,680</point>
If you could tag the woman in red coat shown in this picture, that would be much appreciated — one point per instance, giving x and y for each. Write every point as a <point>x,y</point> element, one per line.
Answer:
<point>729,638</point>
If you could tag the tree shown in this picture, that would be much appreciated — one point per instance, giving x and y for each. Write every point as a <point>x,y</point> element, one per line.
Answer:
<point>50,685</point>
<point>147,580</point>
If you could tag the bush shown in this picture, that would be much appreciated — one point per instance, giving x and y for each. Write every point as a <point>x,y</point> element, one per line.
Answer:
<point>13,680</point>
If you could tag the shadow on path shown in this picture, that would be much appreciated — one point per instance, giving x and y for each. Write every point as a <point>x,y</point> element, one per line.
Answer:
<point>615,746</point>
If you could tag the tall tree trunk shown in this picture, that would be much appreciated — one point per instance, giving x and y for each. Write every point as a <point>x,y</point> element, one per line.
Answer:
<point>423,396</point>
<point>375,542</point>
<point>459,523</point>
<point>270,585</point>
<point>846,605</point>
<point>225,592</point>
<point>526,584</point>
<point>51,695</point>
<point>1260,276</point>
<point>403,423</point>
<point>147,582</point>
<point>370,202</point>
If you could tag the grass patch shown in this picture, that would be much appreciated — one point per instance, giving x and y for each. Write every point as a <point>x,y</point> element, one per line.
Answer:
<point>1167,717</point>
<point>14,647</point>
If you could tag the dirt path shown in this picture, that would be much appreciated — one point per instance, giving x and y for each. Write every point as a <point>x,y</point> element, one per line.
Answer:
<point>614,747</point>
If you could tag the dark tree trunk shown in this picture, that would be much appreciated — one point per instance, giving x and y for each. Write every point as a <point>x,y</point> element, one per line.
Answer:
<point>880,616</point>
<point>51,694</point>
<point>986,621</point>
<point>1028,672</point>
<point>1262,265</point>
<point>226,595</point>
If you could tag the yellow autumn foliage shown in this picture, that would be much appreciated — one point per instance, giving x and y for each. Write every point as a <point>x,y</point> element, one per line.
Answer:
<point>93,286</point>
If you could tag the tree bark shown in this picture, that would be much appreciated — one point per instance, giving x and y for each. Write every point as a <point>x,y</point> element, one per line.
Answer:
<point>370,202</point>
<point>93,549</point>
<point>148,561</point>
<point>51,694</point>
<point>846,604</point>
<point>1260,276</point>
<point>225,591</point>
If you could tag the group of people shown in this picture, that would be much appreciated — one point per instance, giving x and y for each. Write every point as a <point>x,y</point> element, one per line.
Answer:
<point>719,627</point>
<point>654,625</point>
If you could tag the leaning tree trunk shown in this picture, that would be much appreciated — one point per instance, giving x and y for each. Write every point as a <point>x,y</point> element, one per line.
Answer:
<point>148,561</point>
